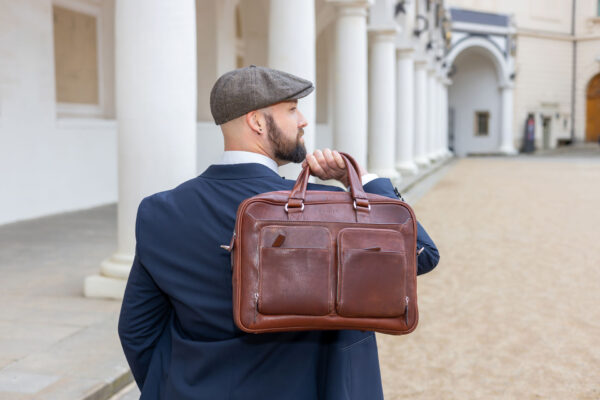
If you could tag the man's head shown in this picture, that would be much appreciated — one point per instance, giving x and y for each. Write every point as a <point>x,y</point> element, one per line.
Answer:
<point>257,109</point>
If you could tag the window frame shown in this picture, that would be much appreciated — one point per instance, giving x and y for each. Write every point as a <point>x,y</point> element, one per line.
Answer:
<point>477,132</point>
<point>92,8</point>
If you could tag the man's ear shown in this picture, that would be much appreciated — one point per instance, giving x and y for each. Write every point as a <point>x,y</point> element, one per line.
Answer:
<point>256,122</point>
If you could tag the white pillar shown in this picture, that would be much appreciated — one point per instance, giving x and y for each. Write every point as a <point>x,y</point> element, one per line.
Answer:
<point>350,85</point>
<point>405,112</point>
<point>156,108</point>
<point>421,113</point>
<point>382,102</point>
<point>445,129</point>
<point>507,146</point>
<point>431,114</point>
<point>441,111</point>
<point>292,48</point>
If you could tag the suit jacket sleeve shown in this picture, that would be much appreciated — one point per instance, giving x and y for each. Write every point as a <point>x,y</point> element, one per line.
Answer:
<point>144,313</point>
<point>430,256</point>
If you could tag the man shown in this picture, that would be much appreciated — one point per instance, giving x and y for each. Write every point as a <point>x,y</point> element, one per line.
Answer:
<point>176,323</point>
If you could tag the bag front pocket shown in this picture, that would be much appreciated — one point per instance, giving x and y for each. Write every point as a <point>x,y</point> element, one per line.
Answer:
<point>295,270</point>
<point>372,273</point>
<point>294,281</point>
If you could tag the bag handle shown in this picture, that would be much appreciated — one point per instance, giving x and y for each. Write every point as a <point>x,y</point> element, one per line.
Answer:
<point>296,200</point>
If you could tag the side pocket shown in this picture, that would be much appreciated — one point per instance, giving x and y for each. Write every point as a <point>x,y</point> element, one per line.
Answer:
<point>372,272</point>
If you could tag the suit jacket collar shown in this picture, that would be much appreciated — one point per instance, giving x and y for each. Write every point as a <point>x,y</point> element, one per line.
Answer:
<point>241,157</point>
<point>239,171</point>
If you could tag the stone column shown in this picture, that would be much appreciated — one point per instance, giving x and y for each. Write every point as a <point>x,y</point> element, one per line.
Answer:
<point>292,48</point>
<point>382,102</point>
<point>441,112</point>
<point>156,108</point>
<point>405,112</point>
<point>507,146</point>
<point>432,113</point>
<point>445,130</point>
<point>421,113</point>
<point>350,84</point>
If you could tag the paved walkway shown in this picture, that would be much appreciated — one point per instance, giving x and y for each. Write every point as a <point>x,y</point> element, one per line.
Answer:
<point>511,312</point>
<point>54,343</point>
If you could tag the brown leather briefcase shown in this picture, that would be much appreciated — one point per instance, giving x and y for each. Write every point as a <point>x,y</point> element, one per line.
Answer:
<point>311,260</point>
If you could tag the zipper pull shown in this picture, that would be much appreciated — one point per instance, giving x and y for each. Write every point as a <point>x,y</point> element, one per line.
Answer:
<point>255,306</point>
<point>230,247</point>
<point>406,311</point>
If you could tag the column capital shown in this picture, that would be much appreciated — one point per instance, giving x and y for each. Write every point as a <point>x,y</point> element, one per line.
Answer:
<point>420,63</point>
<point>405,52</point>
<point>351,7</point>
<point>382,33</point>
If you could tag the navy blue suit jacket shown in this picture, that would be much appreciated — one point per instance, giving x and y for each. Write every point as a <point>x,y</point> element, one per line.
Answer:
<point>176,325</point>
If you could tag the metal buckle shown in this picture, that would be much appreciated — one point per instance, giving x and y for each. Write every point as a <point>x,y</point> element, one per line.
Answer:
<point>286,207</point>
<point>368,208</point>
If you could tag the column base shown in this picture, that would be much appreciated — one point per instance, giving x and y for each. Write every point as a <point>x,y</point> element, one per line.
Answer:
<point>407,168</point>
<point>388,173</point>
<point>508,150</point>
<point>422,162</point>
<point>432,157</point>
<point>438,155</point>
<point>111,281</point>
<point>97,286</point>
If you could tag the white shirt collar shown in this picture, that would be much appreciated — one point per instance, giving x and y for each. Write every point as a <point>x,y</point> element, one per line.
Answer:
<point>241,157</point>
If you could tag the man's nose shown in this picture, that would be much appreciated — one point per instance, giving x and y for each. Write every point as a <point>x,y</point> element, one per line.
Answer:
<point>302,122</point>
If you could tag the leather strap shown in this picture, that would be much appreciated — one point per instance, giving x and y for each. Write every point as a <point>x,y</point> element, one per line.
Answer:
<point>295,203</point>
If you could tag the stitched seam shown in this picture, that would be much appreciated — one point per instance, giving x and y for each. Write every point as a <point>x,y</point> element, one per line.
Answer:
<point>357,343</point>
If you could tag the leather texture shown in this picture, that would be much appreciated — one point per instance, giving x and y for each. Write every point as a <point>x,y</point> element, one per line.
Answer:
<point>312,260</point>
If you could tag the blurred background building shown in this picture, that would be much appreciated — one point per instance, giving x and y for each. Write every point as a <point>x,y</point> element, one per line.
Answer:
<point>105,101</point>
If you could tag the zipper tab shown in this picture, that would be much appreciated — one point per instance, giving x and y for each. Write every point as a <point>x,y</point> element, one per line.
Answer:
<point>255,306</point>
<point>406,311</point>
<point>230,247</point>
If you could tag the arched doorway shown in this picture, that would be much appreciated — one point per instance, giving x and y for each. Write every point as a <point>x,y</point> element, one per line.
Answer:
<point>592,125</point>
<point>475,98</point>
<point>480,98</point>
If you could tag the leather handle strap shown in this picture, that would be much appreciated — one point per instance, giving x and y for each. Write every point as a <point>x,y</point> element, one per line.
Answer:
<point>298,192</point>
<point>356,187</point>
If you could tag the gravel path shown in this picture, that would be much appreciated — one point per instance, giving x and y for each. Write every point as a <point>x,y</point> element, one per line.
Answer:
<point>513,309</point>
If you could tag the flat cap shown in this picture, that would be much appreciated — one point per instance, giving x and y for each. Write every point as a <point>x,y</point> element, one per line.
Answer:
<point>243,90</point>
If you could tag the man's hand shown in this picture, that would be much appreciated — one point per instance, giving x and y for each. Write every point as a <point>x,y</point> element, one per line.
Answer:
<point>329,164</point>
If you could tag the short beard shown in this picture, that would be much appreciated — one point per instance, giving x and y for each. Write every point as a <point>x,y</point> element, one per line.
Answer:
<point>293,152</point>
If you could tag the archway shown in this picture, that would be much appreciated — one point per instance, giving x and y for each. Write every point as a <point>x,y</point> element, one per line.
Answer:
<point>479,98</point>
<point>592,124</point>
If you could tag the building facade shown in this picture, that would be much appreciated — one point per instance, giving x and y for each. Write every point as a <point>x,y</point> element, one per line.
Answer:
<point>546,51</point>
<point>106,101</point>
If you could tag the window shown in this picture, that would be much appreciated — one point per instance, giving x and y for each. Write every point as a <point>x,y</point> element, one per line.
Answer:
<point>77,59</point>
<point>482,123</point>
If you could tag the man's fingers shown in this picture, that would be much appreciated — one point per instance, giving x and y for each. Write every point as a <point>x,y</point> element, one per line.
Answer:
<point>339,160</point>
<point>320,158</point>
<point>315,168</point>
<point>331,163</point>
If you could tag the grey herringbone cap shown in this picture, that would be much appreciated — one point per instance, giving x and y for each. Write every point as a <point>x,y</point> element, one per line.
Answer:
<point>243,90</point>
